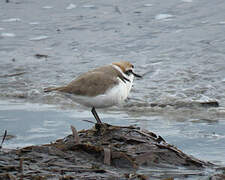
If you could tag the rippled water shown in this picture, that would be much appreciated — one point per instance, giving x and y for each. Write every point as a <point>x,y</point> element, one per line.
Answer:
<point>178,45</point>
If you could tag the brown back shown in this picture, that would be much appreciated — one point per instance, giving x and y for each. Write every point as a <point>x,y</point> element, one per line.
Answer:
<point>93,82</point>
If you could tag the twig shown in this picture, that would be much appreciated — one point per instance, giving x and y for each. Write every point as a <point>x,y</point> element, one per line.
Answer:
<point>21,168</point>
<point>3,139</point>
<point>88,121</point>
<point>107,156</point>
<point>11,75</point>
<point>75,135</point>
<point>39,56</point>
<point>160,139</point>
<point>145,134</point>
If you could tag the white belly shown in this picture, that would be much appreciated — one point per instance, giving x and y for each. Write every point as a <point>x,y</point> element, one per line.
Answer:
<point>112,97</point>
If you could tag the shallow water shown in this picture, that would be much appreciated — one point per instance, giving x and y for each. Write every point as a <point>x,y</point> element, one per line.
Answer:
<point>178,45</point>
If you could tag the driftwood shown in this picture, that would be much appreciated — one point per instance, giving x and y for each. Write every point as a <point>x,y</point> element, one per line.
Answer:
<point>3,138</point>
<point>39,56</point>
<point>103,152</point>
<point>12,75</point>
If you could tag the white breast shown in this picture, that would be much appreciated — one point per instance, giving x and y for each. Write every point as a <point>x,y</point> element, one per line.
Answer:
<point>120,92</point>
<point>113,96</point>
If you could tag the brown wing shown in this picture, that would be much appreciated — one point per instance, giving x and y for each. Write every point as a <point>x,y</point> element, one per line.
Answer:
<point>93,82</point>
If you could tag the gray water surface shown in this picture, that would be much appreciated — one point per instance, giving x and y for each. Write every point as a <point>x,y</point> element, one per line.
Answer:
<point>178,46</point>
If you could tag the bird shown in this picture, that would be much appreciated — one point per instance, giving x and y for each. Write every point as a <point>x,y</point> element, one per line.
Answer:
<point>101,87</point>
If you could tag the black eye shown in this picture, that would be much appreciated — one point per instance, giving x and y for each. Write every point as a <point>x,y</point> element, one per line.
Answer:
<point>128,72</point>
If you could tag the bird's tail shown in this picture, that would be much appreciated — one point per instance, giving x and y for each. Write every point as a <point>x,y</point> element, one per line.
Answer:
<point>53,89</point>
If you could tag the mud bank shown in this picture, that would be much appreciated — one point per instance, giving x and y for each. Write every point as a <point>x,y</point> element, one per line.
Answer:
<point>103,152</point>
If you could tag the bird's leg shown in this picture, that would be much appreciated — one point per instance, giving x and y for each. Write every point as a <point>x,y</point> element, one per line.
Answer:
<point>96,116</point>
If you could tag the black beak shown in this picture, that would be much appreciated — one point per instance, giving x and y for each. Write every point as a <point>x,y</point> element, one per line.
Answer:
<point>136,75</point>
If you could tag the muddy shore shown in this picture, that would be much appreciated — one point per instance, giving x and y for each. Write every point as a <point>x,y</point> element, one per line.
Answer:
<point>103,152</point>
<point>178,46</point>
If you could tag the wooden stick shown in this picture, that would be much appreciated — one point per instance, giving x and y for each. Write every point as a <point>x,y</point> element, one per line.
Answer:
<point>88,121</point>
<point>21,168</point>
<point>3,139</point>
<point>14,74</point>
<point>107,156</point>
<point>75,135</point>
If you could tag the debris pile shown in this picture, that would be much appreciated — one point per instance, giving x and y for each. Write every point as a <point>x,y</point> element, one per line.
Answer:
<point>103,152</point>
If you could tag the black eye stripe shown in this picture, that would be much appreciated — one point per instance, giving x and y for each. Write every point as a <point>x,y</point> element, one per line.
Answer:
<point>128,72</point>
